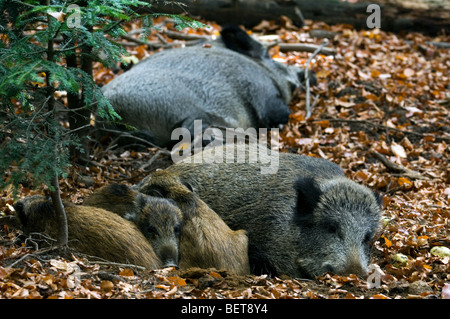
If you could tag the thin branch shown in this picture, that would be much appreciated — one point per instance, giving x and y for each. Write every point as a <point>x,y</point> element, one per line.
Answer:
<point>185,36</point>
<point>40,237</point>
<point>37,113</point>
<point>113,25</point>
<point>308,99</point>
<point>153,159</point>
<point>82,108</point>
<point>286,47</point>
<point>78,129</point>
<point>70,48</point>
<point>109,263</point>
<point>150,45</point>
<point>156,45</point>
<point>316,99</point>
<point>383,127</point>
<point>33,254</point>
<point>403,171</point>
<point>125,134</point>
<point>24,3</point>
<point>161,38</point>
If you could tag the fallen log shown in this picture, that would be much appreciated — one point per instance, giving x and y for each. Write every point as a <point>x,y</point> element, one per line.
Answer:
<point>427,16</point>
<point>245,12</point>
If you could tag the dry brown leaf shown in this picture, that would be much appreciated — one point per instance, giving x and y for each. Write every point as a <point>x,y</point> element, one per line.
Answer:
<point>398,150</point>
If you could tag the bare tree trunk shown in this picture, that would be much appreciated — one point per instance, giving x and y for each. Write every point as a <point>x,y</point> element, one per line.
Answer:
<point>55,192</point>
<point>63,232</point>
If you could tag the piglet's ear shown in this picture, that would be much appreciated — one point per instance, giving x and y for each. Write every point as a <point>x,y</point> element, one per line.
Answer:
<point>33,208</point>
<point>188,185</point>
<point>308,195</point>
<point>19,208</point>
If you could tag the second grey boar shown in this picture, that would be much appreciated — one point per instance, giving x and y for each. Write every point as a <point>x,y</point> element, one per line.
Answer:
<point>233,83</point>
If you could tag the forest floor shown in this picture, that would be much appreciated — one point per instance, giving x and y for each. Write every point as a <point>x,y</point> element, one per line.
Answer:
<point>381,112</point>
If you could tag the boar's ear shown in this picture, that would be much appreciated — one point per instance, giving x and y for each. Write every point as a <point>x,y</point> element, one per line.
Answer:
<point>119,189</point>
<point>140,202</point>
<point>188,185</point>
<point>19,209</point>
<point>32,207</point>
<point>274,112</point>
<point>154,190</point>
<point>185,200</point>
<point>238,40</point>
<point>308,195</point>
<point>379,198</point>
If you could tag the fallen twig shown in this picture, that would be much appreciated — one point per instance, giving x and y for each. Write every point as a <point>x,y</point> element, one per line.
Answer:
<point>403,171</point>
<point>440,45</point>
<point>126,134</point>
<point>286,47</point>
<point>185,36</point>
<point>317,33</point>
<point>308,100</point>
<point>150,45</point>
<point>153,159</point>
<point>33,254</point>
<point>111,263</point>
<point>383,127</point>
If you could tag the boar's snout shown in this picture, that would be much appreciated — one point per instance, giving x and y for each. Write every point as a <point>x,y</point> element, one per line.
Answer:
<point>354,264</point>
<point>169,256</point>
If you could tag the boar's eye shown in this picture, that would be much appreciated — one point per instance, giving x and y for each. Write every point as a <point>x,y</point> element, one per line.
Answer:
<point>331,228</point>
<point>152,230</point>
<point>177,230</point>
<point>367,238</point>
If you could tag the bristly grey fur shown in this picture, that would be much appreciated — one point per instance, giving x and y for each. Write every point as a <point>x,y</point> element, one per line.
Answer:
<point>234,84</point>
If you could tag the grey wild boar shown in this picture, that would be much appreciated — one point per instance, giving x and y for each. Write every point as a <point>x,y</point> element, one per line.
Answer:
<point>304,220</point>
<point>233,83</point>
